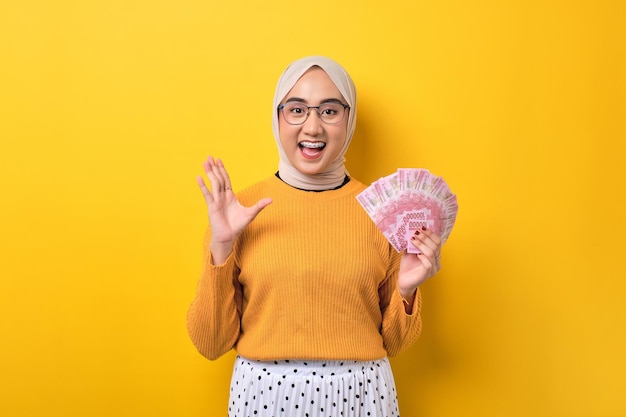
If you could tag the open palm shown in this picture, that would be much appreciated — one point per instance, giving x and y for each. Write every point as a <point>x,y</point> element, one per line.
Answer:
<point>227,216</point>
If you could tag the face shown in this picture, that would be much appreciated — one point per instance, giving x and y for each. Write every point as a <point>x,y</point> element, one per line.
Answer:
<point>312,146</point>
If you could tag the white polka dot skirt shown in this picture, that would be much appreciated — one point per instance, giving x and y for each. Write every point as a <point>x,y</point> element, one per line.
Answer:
<point>294,388</point>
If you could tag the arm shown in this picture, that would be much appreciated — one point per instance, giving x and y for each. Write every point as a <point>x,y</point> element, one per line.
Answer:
<point>401,322</point>
<point>213,318</point>
<point>400,296</point>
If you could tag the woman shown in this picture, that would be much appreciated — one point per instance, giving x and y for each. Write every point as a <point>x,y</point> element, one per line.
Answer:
<point>310,294</point>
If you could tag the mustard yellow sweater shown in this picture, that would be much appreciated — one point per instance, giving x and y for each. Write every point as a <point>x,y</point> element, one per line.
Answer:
<point>310,278</point>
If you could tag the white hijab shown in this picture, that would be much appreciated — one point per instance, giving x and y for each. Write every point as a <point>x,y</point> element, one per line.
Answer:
<point>336,172</point>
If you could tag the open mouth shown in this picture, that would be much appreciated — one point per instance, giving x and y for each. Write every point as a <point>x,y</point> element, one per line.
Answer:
<point>311,149</point>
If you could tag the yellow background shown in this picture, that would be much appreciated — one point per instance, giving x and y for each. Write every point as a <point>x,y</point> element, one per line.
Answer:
<point>107,109</point>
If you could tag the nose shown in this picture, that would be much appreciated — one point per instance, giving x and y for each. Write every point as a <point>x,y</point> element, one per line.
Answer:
<point>313,123</point>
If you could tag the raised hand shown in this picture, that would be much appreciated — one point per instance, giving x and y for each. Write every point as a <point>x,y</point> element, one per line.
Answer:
<point>227,216</point>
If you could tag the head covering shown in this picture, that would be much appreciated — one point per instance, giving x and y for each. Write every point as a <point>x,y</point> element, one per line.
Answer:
<point>336,172</point>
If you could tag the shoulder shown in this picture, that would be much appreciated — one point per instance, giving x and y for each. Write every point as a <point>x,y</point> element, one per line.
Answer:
<point>358,185</point>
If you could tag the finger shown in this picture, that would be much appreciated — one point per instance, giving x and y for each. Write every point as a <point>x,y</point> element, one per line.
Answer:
<point>430,239</point>
<point>223,174</point>
<point>421,241</point>
<point>205,191</point>
<point>429,257</point>
<point>428,262</point>
<point>431,263</point>
<point>212,172</point>
<point>432,235</point>
<point>260,205</point>
<point>433,241</point>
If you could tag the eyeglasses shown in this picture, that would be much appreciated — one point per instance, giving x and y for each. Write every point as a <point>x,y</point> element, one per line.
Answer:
<point>296,113</point>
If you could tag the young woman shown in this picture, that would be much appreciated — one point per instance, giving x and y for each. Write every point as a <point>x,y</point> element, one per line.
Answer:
<point>297,278</point>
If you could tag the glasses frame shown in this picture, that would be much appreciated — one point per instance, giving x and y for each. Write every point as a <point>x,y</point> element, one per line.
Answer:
<point>317,109</point>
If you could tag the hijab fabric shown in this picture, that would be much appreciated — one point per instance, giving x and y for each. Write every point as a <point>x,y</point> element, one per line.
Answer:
<point>336,172</point>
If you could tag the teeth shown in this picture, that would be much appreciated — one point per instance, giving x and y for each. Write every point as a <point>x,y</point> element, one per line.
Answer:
<point>312,144</point>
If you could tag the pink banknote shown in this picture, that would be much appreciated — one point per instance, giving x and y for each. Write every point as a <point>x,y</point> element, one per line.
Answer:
<point>407,200</point>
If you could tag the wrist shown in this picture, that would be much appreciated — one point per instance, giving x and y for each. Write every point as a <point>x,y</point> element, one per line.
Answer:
<point>408,293</point>
<point>408,299</point>
<point>220,251</point>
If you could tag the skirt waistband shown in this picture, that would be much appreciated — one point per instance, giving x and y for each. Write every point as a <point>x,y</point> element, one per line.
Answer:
<point>312,367</point>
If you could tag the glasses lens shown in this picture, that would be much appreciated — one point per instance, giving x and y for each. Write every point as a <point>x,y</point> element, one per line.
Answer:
<point>295,113</point>
<point>331,112</point>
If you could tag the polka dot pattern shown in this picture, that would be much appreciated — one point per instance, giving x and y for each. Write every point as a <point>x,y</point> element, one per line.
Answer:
<point>312,389</point>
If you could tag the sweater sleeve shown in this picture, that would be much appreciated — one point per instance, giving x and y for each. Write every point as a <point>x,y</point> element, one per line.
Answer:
<point>399,329</point>
<point>213,318</point>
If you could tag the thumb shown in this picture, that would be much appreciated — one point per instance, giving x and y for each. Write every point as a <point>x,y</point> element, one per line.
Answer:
<point>260,205</point>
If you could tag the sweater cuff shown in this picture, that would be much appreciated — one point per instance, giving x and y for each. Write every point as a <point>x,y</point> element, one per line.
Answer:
<point>229,261</point>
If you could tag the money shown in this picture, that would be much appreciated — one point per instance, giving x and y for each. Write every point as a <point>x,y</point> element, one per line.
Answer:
<point>407,200</point>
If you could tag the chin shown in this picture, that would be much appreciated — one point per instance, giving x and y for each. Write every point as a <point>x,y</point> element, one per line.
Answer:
<point>311,172</point>
<point>311,168</point>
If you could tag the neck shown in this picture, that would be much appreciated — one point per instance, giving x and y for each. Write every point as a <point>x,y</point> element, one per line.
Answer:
<point>346,179</point>
<point>332,178</point>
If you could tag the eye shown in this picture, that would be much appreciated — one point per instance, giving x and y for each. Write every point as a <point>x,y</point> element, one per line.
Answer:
<point>296,109</point>
<point>330,109</point>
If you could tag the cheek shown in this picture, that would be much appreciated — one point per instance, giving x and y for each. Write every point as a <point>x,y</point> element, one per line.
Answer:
<point>283,129</point>
<point>339,137</point>
<point>287,135</point>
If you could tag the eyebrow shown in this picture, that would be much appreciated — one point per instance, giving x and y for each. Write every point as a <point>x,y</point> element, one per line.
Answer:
<point>301,100</point>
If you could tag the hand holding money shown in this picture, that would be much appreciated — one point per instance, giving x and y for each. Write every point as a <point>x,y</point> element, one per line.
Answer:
<point>416,269</point>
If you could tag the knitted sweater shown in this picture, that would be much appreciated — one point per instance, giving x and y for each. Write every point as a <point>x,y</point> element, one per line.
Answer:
<point>310,278</point>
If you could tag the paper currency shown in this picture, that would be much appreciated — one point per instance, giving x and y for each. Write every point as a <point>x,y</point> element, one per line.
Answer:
<point>406,200</point>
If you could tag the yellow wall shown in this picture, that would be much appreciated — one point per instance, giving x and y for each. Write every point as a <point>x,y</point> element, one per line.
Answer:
<point>107,109</point>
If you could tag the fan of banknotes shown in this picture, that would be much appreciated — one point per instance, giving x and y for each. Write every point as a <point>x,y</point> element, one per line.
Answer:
<point>403,202</point>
